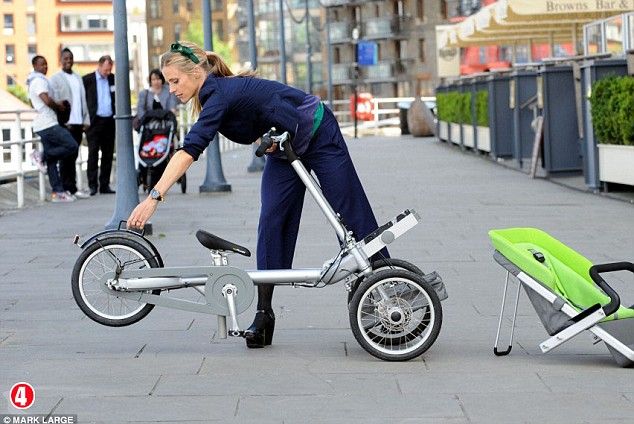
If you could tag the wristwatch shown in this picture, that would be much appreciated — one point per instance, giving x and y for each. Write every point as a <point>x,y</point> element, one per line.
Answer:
<point>156,195</point>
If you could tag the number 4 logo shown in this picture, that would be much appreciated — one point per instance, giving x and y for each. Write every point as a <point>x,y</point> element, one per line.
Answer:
<point>22,395</point>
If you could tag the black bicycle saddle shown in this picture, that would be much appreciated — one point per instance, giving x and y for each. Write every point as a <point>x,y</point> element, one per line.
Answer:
<point>216,243</point>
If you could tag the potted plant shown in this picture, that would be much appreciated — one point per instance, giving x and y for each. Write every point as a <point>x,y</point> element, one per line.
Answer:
<point>453,103</point>
<point>612,103</point>
<point>443,116</point>
<point>482,119</point>
<point>466,119</point>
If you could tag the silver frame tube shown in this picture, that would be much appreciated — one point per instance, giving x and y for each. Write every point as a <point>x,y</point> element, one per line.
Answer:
<point>323,204</point>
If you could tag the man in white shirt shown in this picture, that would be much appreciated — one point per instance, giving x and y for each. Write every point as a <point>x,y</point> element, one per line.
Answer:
<point>58,142</point>
<point>68,86</point>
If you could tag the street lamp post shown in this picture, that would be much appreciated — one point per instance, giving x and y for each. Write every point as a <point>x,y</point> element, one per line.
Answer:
<point>355,76</point>
<point>127,196</point>
<point>257,164</point>
<point>282,42</point>
<point>214,177</point>
<point>309,50</point>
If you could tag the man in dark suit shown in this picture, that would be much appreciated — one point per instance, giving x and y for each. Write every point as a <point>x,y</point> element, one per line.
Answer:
<point>100,89</point>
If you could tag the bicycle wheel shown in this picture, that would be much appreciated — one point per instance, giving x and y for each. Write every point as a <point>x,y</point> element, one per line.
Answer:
<point>383,264</point>
<point>395,315</point>
<point>100,258</point>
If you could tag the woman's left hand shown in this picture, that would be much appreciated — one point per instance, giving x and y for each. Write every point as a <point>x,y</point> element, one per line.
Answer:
<point>272,148</point>
<point>142,213</point>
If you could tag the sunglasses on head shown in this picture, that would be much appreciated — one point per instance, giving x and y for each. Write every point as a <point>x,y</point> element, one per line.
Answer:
<point>185,51</point>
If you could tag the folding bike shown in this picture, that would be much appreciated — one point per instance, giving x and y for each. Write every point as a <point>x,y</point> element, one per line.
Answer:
<point>394,309</point>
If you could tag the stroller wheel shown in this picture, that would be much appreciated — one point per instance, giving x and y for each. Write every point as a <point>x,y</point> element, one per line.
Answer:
<point>395,315</point>
<point>383,264</point>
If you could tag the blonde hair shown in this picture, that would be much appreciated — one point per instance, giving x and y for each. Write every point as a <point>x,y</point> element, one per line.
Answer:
<point>209,62</point>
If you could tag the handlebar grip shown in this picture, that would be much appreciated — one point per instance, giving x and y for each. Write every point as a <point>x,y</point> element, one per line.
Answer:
<point>266,143</point>
<point>615,300</point>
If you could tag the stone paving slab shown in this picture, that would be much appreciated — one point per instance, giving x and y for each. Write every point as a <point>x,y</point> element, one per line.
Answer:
<point>172,368</point>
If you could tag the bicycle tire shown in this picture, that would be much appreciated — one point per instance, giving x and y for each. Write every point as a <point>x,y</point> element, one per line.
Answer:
<point>79,290</point>
<point>374,326</point>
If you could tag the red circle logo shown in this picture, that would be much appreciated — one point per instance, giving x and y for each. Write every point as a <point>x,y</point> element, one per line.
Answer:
<point>22,395</point>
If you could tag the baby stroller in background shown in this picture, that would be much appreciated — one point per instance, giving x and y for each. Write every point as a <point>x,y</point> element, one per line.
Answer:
<point>157,144</point>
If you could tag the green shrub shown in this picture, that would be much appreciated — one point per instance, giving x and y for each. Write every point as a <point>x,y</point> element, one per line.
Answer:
<point>19,92</point>
<point>612,103</point>
<point>465,114</point>
<point>454,107</point>
<point>482,108</point>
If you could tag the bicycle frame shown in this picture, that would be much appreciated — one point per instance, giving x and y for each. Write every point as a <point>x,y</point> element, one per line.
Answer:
<point>229,291</point>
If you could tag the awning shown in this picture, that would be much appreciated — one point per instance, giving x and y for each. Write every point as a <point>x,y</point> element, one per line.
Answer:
<point>508,22</point>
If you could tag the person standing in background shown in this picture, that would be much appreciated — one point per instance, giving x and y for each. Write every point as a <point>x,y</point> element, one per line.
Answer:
<point>158,96</point>
<point>57,142</point>
<point>68,86</point>
<point>99,87</point>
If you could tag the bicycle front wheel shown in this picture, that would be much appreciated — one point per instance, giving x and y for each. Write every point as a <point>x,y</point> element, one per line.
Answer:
<point>395,315</point>
<point>95,261</point>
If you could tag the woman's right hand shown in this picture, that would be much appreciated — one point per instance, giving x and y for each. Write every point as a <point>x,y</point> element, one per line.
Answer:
<point>142,213</point>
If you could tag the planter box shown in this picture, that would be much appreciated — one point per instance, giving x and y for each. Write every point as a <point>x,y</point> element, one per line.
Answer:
<point>616,164</point>
<point>454,133</point>
<point>467,136</point>
<point>443,130</point>
<point>484,139</point>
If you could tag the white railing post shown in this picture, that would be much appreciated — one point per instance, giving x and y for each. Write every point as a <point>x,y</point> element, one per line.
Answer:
<point>20,176</point>
<point>181,123</point>
<point>78,168</point>
<point>375,110</point>
<point>40,176</point>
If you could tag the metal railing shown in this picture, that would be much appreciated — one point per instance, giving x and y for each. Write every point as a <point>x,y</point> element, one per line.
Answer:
<point>382,115</point>
<point>20,169</point>
<point>185,123</point>
<point>15,153</point>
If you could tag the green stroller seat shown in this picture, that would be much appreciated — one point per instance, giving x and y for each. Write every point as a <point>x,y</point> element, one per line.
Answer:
<point>566,291</point>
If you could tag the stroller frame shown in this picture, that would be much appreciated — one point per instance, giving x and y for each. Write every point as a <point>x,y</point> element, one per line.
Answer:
<point>589,319</point>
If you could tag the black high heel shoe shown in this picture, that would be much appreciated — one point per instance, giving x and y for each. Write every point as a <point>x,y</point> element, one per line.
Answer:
<point>260,333</point>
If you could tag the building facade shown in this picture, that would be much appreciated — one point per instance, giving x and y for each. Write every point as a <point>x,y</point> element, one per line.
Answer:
<point>168,21</point>
<point>402,33</point>
<point>45,27</point>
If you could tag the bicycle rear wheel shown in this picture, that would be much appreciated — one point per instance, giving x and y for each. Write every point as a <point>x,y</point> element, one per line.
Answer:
<point>105,256</point>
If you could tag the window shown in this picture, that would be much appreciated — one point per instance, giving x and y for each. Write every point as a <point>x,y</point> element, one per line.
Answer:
<point>157,36</point>
<point>155,9</point>
<point>30,24</point>
<point>178,28</point>
<point>86,23</point>
<point>217,5</point>
<point>190,5</point>
<point>90,52</point>
<point>8,21</point>
<point>421,50</point>
<point>6,132</point>
<point>32,51</point>
<point>9,53</point>
<point>155,61</point>
<point>175,6</point>
<point>420,10</point>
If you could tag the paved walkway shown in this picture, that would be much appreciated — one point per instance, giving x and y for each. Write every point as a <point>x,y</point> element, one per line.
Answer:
<point>170,367</point>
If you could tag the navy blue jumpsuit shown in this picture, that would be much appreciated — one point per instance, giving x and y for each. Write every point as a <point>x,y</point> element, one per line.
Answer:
<point>243,109</point>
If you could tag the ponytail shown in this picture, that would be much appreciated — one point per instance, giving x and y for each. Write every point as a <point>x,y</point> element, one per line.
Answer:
<point>210,62</point>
